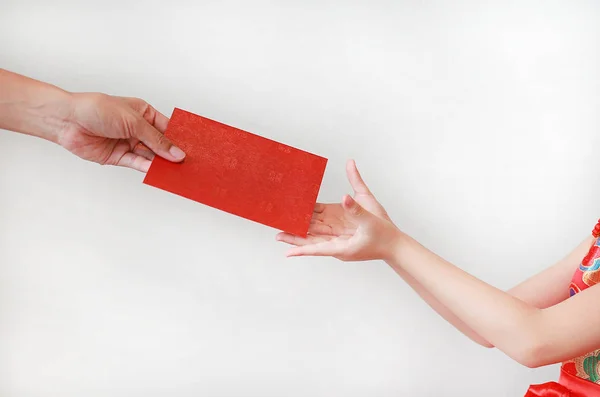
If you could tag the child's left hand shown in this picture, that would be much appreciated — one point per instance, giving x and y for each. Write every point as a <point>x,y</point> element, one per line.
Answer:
<point>358,229</point>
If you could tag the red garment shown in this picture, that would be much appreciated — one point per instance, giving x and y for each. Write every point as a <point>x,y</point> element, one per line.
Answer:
<point>579,377</point>
<point>568,386</point>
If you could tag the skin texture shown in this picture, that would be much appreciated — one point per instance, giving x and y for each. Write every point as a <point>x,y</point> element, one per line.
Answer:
<point>105,129</point>
<point>532,323</point>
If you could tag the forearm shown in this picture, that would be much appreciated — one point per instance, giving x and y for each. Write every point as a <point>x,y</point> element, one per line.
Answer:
<point>505,321</point>
<point>543,290</point>
<point>32,107</point>
<point>532,330</point>
<point>440,308</point>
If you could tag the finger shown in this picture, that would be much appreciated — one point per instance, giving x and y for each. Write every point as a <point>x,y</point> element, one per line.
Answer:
<point>156,141</point>
<point>142,150</point>
<point>356,181</point>
<point>291,239</point>
<point>134,161</point>
<point>318,213</point>
<point>298,241</point>
<point>148,112</point>
<point>320,228</point>
<point>354,210</point>
<point>326,248</point>
<point>328,231</point>
<point>319,208</point>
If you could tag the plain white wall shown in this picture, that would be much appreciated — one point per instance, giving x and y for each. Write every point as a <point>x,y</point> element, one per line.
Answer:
<point>475,123</point>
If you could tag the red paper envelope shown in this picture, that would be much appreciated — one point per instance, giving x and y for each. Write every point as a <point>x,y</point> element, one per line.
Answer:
<point>240,173</point>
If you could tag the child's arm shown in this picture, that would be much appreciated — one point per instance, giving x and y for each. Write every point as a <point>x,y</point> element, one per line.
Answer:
<point>528,334</point>
<point>357,230</point>
<point>551,286</point>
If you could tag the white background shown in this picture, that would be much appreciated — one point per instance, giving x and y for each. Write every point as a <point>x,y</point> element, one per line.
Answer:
<point>475,123</point>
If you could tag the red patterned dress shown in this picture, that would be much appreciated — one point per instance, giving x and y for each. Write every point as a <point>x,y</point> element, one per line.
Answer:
<point>579,377</point>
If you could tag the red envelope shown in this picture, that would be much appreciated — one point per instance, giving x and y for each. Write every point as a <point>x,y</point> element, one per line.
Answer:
<point>240,173</point>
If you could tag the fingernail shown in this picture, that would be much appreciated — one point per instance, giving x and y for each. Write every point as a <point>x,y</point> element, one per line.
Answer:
<point>177,153</point>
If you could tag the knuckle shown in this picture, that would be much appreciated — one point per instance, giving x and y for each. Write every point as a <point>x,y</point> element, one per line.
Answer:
<point>135,103</point>
<point>97,97</point>
<point>138,101</point>
<point>162,140</point>
<point>132,127</point>
<point>144,109</point>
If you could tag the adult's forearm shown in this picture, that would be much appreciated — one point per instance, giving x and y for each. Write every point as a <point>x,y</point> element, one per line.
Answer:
<point>32,107</point>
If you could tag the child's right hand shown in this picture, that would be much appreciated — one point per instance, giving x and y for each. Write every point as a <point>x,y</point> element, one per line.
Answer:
<point>358,229</point>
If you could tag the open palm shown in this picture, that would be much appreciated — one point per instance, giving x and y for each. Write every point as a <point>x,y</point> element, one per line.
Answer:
<point>334,230</point>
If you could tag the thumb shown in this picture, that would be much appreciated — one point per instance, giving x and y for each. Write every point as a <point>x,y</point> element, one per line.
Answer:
<point>157,142</point>
<point>355,210</point>
<point>356,181</point>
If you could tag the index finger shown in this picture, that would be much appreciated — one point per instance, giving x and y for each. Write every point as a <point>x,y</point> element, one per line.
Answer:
<point>148,112</point>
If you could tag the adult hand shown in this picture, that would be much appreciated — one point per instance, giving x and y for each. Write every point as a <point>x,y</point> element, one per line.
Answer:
<point>119,131</point>
<point>105,129</point>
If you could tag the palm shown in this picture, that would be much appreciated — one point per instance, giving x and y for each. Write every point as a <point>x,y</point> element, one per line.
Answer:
<point>331,224</point>
<point>331,220</point>
<point>99,149</point>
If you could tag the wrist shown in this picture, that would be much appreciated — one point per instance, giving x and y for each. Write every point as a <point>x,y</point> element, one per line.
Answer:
<point>401,243</point>
<point>52,116</point>
<point>32,107</point>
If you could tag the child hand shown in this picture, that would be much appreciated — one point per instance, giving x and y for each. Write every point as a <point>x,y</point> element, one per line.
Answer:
<point>358,229</point>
